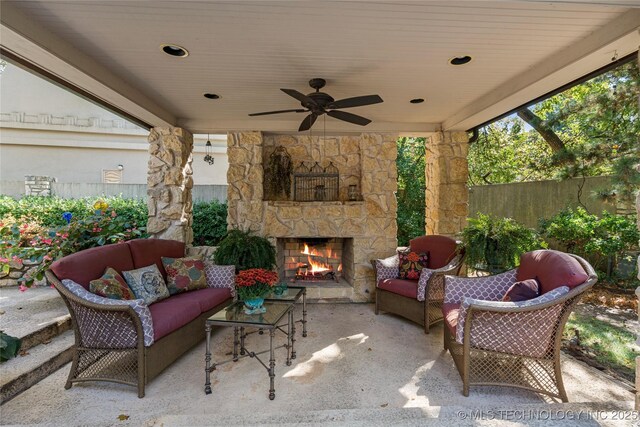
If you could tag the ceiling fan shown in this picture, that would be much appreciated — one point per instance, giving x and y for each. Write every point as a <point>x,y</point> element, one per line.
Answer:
<point>318,103</point>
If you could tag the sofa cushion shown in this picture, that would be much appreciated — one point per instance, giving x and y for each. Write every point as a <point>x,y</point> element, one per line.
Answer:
<point>147,284</point>
<point>172,313</point>
<point>205,298</point>
<point>149,251</point>
<point>552,269</point>
<point>522,291</point>
<point>441,249</point>
<point>111,285</point>
<point>450,311</point>
<point>184,274</point>
<point>84,266</point>
<point>411,264</point>
<point>407,288</point>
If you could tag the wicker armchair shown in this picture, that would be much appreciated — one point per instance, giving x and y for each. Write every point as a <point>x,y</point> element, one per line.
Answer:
<point>419,301</point>
<point>514,344</point>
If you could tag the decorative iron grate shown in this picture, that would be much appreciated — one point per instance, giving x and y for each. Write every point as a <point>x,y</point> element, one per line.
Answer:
<point>315,183</point>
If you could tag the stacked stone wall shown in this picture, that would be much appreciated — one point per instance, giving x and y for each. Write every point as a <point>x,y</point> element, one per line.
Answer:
<point>169,184</point>
<point>371,222</point>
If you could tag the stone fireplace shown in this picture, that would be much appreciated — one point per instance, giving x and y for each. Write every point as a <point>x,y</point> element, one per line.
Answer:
<point>343,234</point>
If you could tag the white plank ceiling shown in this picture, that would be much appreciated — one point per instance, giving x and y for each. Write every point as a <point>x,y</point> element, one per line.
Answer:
<point>245,51</point>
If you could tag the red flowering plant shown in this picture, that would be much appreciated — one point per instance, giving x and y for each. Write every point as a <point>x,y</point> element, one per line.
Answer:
<point>255,283</point>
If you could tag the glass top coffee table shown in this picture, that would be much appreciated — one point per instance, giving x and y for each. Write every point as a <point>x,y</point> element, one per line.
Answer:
<point>234,315</point>
<point>293,293</point>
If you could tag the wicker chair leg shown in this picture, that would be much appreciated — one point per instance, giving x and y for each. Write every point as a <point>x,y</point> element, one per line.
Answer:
<point>376,308</point>
<point>559,383</point>
<point>141,370</point>
<point>447,337</point>
<point>466,361</point>
<point>426,316</point>
<point>74,369</point>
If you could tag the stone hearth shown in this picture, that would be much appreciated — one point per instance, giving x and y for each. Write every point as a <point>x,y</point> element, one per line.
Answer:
<point>366,160</point>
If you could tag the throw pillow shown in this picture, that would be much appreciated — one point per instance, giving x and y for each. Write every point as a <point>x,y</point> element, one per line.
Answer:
<point>522,291</point>
<point>411,264</point>
<point>111,285</point>
<point>147,284</point>
<point>220,276</point>
<point>184,274</point>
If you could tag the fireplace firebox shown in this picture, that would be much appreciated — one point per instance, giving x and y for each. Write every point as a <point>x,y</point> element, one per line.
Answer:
<point>314,261</point>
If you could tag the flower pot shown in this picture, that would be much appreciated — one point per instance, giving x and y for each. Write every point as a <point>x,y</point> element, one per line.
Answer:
<point>254,306</point>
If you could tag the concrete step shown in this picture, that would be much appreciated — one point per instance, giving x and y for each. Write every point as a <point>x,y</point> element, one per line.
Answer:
<point>27,369</point>
<point>35,316</point>
<point>567,414</point>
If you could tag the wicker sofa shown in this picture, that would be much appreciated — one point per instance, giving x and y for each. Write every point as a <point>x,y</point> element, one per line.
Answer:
<point>127,341</point>
<point>514,344</point>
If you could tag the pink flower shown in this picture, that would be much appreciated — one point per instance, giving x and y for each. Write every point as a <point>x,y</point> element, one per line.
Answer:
<point>47,257</point>
<point>46,241</point>
<point>16,259</point>
<point>113,214</point>
<point>25,226</point>
<point>4,259</point>
<point>65,235</point>
<point>23,288</point>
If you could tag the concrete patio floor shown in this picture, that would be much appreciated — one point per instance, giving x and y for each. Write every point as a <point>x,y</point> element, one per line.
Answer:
<point>354,368</point>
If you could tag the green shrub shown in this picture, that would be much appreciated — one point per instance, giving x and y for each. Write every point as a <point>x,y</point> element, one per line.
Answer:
<point>602,240</point>
<point>47,211</point>
<point>245,250</point>
<point>209,223</point>
<point>495,244</point>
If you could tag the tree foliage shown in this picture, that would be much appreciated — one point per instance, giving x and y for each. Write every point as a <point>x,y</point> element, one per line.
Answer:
<point>597,122</point>
<point>411,186</point>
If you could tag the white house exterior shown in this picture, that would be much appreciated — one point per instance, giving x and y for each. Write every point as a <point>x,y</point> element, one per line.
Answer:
<point>46,130</point>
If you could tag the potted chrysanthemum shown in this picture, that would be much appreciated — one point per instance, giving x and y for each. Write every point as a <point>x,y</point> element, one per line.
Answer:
<point>252,286</point>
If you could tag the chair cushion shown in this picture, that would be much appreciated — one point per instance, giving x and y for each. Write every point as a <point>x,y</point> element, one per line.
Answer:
<point>410,264</point>
<point>147,284</point>
<point>552,269</point>
<point>84,266</point>
<point>450,311</point>
<point>173,313</point>
<point>206,298</point>
<point>149,251</point>
<point>184,274</point>
<point>407,288</point>
<point>111,285</point>
<point>522,291</point>
<point>441,249</point>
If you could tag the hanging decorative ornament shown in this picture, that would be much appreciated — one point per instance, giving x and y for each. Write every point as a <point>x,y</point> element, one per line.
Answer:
<point>208,157</point>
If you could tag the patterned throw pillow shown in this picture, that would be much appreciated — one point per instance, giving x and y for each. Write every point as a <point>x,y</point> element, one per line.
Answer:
<point>111,285</point>
<point>220,276</point>
<point>184,274</point>
<point>147,284</point>
<point>411,264</point>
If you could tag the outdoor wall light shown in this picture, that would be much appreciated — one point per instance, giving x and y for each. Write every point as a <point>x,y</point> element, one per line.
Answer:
<point>208,157</point>
<point>174,50</point>
<point>120,167</point>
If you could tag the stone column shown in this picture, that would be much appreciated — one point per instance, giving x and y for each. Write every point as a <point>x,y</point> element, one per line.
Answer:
<point>169,184</point>
<point>446,193</point>
<point>244,179</point>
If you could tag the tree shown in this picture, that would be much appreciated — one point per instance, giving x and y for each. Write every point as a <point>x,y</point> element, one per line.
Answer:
<point>411,186</point>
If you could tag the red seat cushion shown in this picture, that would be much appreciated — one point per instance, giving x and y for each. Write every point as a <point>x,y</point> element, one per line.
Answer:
<point>85,266</point>
<point>150,251</point>
<point>450,312</point>
<point>407,288</point>
<point>441,249</point>
<point>205,298</point>
<point>172,313</point>
<point>552,269</point>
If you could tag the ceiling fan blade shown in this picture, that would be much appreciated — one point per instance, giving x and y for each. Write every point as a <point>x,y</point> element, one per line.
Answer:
<point>297,110</point>
<point>348,117</point>
<point>308,122</point>
<point>306,101</point>
<point>357,101</point>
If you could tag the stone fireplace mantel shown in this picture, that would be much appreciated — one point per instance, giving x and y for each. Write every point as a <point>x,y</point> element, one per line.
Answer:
<point>370,222</point>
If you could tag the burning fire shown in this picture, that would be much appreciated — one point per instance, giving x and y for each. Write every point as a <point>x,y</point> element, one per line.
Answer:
<point>316,265</point>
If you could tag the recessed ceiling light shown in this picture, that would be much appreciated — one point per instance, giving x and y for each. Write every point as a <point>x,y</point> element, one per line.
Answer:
<point>211,96</point>
<point>460,60</point>
<point>174,50</point>
<point>417,101</point>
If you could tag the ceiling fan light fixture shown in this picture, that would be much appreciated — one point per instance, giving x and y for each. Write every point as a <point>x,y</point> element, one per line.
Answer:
<point>211,96</point>
<point>460,60</point>
<point>174,50</point>
<point>417,100</point>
